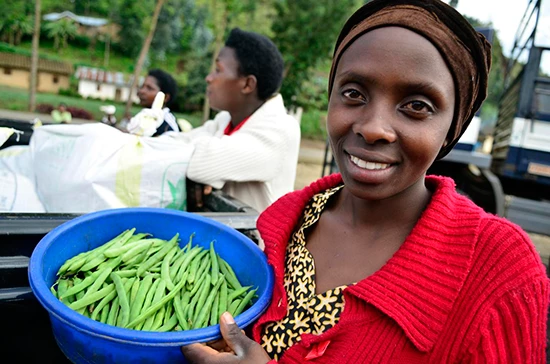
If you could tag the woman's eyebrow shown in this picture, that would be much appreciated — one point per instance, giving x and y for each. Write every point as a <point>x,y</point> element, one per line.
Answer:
<point>352,76</point>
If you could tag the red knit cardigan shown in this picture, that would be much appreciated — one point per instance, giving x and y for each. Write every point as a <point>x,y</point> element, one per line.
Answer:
<point>465,286</point>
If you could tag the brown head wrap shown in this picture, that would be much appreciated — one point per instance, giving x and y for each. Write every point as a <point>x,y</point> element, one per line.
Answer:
<point>466,52</point>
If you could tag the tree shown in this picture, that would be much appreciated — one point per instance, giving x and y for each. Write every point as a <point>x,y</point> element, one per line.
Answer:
<point>132,17</point>
<point>34,58</point>
<point>61,31</point>
<point>305,32</point>
<point>143,53</point>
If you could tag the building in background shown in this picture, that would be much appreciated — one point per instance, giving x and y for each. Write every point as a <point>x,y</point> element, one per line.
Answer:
<point>15,70</point>
<point>100,84</point>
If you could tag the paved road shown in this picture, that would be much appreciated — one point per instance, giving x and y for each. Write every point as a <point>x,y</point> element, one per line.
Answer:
<point>28,116</point>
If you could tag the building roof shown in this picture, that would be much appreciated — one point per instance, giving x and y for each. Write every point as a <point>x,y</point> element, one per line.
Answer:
<point>84,20</point>
<point>20,61</point>
<point>102,76</point>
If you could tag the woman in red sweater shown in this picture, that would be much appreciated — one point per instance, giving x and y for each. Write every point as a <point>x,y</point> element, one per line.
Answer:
<point>383,264</point>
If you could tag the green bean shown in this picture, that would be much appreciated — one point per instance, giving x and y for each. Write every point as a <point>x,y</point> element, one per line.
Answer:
<point>136,237</point>
<point>122,250</point>
<point>93,263</point>
<point>157,257</point>
<point>223,306</point>
<point>190,242</point>
<point>156,306</point>
<point>79,295</point>
<point>89,299</point>
<point>104,313</point>
<point>80,257</point>
<point>105,301</point>
<point>113,312</point>
<point>180,313</point>
<point>233,306</point>
<point>238,292</point>
<point>159,318</point>
<point>229,273</point>
<point>204,267</point>
<point>214,318</point>
<point>165,269</point>
<point>174,266</point>
<point>202,294</point>
<point>126,273</point>
<point>123,299</point>
<point>214,263</point>
<point>62,287</point>
<point>159,294</point>
<point>186,262</point>
<point>53,291</point>
<point>169,324</point>
<point>169,311</point>
<point>197,285</point>
<point>244,302</point>
<point>134,290</point>
<point>137,303</point>
<point>82,284</point>
<point>204,313</point>
<point>194,264</point>
<point>97,257</point>
<point>139,258</point>
<point>139,247</point>
<point>99,281</point>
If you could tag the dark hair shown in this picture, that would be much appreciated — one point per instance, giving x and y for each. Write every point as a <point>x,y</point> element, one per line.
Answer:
<point>258,56</point>
<point>166,83</point>
<point>62,104</point>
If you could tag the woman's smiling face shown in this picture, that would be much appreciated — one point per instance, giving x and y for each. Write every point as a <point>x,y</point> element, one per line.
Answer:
<point>389,112</point>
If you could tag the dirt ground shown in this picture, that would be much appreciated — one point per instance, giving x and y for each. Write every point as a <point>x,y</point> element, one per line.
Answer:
<point>310,168</point>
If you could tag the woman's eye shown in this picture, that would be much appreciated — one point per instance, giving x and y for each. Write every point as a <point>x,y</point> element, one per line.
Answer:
<point>353,94</point>
<point>417,107</point>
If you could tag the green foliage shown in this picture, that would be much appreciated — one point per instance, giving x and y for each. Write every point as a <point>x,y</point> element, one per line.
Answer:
<point>305,33</point>
<point>61,31</point>
<point>133,18</point>
<point>313,124</point>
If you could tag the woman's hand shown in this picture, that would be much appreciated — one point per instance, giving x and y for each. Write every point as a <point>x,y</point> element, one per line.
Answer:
<point>244,350</point>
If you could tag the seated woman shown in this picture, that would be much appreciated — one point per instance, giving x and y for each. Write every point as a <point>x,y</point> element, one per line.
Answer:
<point>61,115</point>
<point>381,263</point>
<point>156,80</point>
<point>250,149</point>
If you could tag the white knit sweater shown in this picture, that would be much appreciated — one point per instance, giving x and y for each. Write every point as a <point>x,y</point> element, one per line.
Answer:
<point>257,163</point>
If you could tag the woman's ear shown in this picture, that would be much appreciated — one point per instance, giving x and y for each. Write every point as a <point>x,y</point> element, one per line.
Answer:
<point>167,98</point>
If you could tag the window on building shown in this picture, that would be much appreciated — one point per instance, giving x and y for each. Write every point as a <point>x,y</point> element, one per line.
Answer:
<point>7,71</point>
<point>99,87</point>
<point>55,79</point>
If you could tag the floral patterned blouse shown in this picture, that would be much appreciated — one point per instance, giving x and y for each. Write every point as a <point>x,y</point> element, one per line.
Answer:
<point>307,312</point>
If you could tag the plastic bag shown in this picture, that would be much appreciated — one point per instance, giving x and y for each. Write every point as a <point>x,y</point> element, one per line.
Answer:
<point>90,167</point>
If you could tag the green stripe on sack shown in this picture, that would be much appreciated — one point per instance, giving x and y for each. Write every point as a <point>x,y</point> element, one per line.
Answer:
<point>128,176</point>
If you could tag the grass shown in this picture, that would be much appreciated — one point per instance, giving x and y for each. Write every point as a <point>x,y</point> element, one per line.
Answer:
<point>18,100</point>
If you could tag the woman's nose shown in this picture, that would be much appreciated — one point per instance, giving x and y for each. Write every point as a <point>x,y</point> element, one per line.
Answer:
<point>376,124</point>
<point>208,78</point>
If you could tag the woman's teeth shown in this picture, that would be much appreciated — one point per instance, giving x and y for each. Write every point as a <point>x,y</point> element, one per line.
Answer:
<point>368,165</point>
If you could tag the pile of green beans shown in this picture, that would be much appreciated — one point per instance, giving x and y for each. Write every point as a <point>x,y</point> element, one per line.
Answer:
<point>139,282</point>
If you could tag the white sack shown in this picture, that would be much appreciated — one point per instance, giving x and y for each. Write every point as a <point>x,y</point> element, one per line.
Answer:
<point>89,167</point>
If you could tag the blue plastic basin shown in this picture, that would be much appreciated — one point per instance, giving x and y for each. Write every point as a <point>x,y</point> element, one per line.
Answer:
<point>84,340</point>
